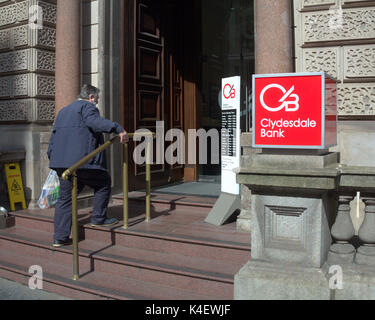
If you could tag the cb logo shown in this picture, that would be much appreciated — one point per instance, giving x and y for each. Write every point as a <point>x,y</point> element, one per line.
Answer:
<point>288,105</point>
<point>229,92</point>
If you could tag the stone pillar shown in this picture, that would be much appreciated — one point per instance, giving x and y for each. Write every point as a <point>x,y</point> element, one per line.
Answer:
<point>366,253</point>
<point>342,232</point>
<point>273,54</point>
<point>291,210</point>
<point>273,36</point>
<point>67,52</point>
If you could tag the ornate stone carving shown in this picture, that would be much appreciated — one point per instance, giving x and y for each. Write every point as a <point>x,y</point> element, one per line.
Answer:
<point>45,86</point>
<point>321,59</point>
<point>13,61</point>
<point>15,110</point>
<point>46,37</point>
<point>20,36</point>
<point>359,61</point>
<point>14,86</point>
<point>49,12</point>
<point>356,24</point>
<point>7,15</point>
<point>20,85</point>
<point>356,99</point>
<point>23,36</point>
<point>5,87</point>
<point>45,60</point>
<point>19,12</point>
<point>31,60</point>
<point>27,110</point>
<point>22,10</point>
<point>27,85</point>
<point>45,110</point>
<point>4,39</point>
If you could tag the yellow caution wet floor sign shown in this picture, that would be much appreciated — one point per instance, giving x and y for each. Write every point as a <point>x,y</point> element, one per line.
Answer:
<point>15,187</point>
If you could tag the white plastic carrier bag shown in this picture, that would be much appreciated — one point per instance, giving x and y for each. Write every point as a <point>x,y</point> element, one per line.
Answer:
<point>50,191</point>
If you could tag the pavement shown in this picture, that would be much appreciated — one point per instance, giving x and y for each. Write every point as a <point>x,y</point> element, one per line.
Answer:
<point>10,290</point>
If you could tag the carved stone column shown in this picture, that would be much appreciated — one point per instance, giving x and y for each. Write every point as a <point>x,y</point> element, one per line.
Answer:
<point>67,52</point>
<point>366,253</point>
<point>274,38</point>
<point>342,232</point>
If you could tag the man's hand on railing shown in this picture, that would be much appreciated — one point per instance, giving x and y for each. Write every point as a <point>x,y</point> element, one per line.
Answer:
<point>124,138</point>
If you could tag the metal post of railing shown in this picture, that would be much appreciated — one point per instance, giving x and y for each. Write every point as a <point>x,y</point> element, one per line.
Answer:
<point>72,171</point>
<point>148,181</point>
<point>125,187</point>
<point>75,227</point>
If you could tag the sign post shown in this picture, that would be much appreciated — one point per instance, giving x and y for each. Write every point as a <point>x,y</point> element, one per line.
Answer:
<point>229,199</point>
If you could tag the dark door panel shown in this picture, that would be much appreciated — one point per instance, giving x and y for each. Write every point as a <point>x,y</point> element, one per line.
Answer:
<point>153,79</point>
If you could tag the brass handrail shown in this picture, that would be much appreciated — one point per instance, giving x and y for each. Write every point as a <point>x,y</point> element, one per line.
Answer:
<point>72,171</point>
<point>81,162</point>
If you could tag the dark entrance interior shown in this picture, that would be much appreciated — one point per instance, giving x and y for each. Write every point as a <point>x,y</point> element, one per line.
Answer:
<point>176,52</point>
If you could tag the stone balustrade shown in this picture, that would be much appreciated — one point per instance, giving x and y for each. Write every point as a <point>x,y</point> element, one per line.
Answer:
<point>298,206</point>
<point>354,226</point>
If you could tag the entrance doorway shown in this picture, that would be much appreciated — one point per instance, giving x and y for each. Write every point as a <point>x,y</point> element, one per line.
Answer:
<point>175,54</point>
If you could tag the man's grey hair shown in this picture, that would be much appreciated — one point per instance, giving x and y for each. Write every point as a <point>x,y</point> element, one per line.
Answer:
<point>88,90</point>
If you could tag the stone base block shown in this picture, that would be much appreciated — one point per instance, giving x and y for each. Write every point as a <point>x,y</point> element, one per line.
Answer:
<point>341,254</point>
<point>259,280</point>
<point>358,283</point>
<point>290,230</point>
<point>365,256</point>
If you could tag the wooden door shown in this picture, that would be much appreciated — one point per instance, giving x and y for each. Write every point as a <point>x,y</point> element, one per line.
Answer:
<point>153,81</point>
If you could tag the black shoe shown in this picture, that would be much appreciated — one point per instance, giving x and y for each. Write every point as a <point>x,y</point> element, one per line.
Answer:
<point>107,223</point>
<point>61,243</point>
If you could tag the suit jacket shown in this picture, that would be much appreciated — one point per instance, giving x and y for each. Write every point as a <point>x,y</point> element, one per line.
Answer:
<point>77,131</point>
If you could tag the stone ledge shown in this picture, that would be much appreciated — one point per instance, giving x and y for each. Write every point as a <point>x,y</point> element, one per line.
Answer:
<point>289,181</point>
<point>324,172</point>
<point>358,178</point>
<point>9,156</point>
<point>264,160</point>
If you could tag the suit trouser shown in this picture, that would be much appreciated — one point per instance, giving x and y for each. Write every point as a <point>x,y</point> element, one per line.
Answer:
<point>98,180</point>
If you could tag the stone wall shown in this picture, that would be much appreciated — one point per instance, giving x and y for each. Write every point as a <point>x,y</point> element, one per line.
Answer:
<point>27,62</point>
<point>27,85</point>
<point>337,36</point>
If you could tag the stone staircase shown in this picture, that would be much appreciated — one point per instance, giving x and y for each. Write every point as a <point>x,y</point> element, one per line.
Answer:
<point>176,256</point>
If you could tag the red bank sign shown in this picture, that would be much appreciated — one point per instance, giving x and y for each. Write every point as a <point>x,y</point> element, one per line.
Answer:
<point>296,110</point>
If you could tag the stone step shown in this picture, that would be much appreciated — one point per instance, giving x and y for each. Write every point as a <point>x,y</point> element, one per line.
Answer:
<point>203,203</point>
<point>191,245</point>
<point>179,232</point>
<point>92,285</point>
<point>208,277</point>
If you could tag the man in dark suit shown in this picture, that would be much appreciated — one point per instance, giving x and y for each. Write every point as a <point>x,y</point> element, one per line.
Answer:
<point>77,131</point>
